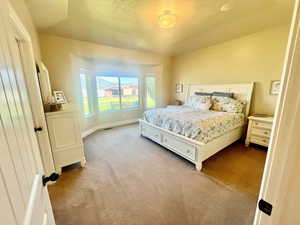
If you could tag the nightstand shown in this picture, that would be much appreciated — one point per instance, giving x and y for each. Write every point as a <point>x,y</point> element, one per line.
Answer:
<point>259,130</point>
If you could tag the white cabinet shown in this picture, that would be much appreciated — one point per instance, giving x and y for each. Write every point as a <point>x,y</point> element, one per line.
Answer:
<point>65,138</point>
<point>259,130</point>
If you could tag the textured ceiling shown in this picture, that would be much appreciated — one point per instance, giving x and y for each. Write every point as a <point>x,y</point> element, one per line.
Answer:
<point>47,13</point>
<point>134,23</point>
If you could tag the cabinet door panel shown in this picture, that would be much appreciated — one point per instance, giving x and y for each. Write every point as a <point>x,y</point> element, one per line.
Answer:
<point>63,131</point>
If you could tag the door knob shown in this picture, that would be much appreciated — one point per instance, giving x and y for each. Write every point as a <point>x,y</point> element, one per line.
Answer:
<point>52,177</point>
<point>36,129</point>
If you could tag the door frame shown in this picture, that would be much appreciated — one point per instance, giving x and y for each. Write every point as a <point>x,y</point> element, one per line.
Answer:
<point>17,105</point>
<point>34,92</point>
<point>282,153</point>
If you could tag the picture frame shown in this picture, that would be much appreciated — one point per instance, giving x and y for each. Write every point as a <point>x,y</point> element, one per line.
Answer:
<point>275,87</point>
<point>60,97</point>
<point>179,88</point>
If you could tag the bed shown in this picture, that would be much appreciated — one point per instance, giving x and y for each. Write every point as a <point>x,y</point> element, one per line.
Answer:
<point>194,134</point>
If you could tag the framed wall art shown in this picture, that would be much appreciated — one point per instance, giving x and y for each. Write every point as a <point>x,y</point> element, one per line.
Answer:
<point>275,87</point>
<point>60,97</point>
<point>179,88</point>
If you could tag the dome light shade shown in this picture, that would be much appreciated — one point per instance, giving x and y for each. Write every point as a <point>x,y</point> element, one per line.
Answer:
<point>167,19</point>
<point>226,7</point>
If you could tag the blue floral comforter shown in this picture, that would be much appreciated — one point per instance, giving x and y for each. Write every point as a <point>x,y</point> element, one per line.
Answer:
<point>203,126</point>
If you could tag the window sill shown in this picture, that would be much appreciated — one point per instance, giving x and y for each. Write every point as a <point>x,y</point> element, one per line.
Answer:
<point>89,116</point>
<point>113,111</point>
<point>121,110</point>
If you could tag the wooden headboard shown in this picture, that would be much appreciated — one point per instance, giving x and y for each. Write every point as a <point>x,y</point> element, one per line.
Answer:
<point>242,92</point>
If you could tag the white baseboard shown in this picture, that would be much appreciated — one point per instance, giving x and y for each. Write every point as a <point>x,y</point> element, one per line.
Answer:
<point>107,125</point>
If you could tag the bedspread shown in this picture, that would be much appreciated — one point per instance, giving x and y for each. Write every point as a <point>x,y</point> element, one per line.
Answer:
<point>203,126</point>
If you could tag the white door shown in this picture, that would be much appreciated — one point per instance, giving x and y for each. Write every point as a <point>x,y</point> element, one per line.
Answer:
<point>23,198</point>
<point>280,184</point>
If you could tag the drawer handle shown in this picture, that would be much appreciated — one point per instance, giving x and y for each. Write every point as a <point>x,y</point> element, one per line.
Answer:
<point>266,132</point>
<point>188,151</point>
<point>264,140</point>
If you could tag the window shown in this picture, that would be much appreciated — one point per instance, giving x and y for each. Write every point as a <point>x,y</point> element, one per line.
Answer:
<point>84,93</point>
<point>108,93</point>
<point>129,92</point>
<point>150,92</point>
<point>116,89</point>
<point>117,92</point>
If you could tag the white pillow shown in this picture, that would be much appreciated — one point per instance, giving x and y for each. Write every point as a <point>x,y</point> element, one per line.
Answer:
<point>204,106</point>
<point>199,102</point>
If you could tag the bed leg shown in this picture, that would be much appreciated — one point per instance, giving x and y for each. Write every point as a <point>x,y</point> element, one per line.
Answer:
<point>198,166</point>
<point>59,170</point>
<point>82,163</point>
<point>247,143</point>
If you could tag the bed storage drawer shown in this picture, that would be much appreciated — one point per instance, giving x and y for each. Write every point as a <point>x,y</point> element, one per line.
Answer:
<point>187,150</point>
<point>151,133</point>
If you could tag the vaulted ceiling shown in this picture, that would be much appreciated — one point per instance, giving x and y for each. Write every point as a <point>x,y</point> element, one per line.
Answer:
<point>134,24</point>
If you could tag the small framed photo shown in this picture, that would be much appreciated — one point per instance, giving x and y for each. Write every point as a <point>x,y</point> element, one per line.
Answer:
<point>275,87</point>
<point>179,88</point>
<point>60,97</point>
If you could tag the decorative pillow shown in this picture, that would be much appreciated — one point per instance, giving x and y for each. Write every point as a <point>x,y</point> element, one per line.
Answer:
<point>199,102</point>
<point>223,94</point>
<point>226,104</point>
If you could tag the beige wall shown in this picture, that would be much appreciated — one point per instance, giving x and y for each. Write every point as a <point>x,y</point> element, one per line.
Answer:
<point>254,58</point>
<point>257,57</point>
<point>24,15</point>
<point>63,58</point>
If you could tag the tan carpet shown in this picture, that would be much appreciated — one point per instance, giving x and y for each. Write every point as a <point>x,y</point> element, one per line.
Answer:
<point>132,181</point>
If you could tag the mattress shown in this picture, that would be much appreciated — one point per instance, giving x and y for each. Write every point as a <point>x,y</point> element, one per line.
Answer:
<point>200,125</point>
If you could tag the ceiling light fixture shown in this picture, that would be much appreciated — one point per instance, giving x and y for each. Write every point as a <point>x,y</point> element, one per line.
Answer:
<point>167,19</point>
<point>226,7</point>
